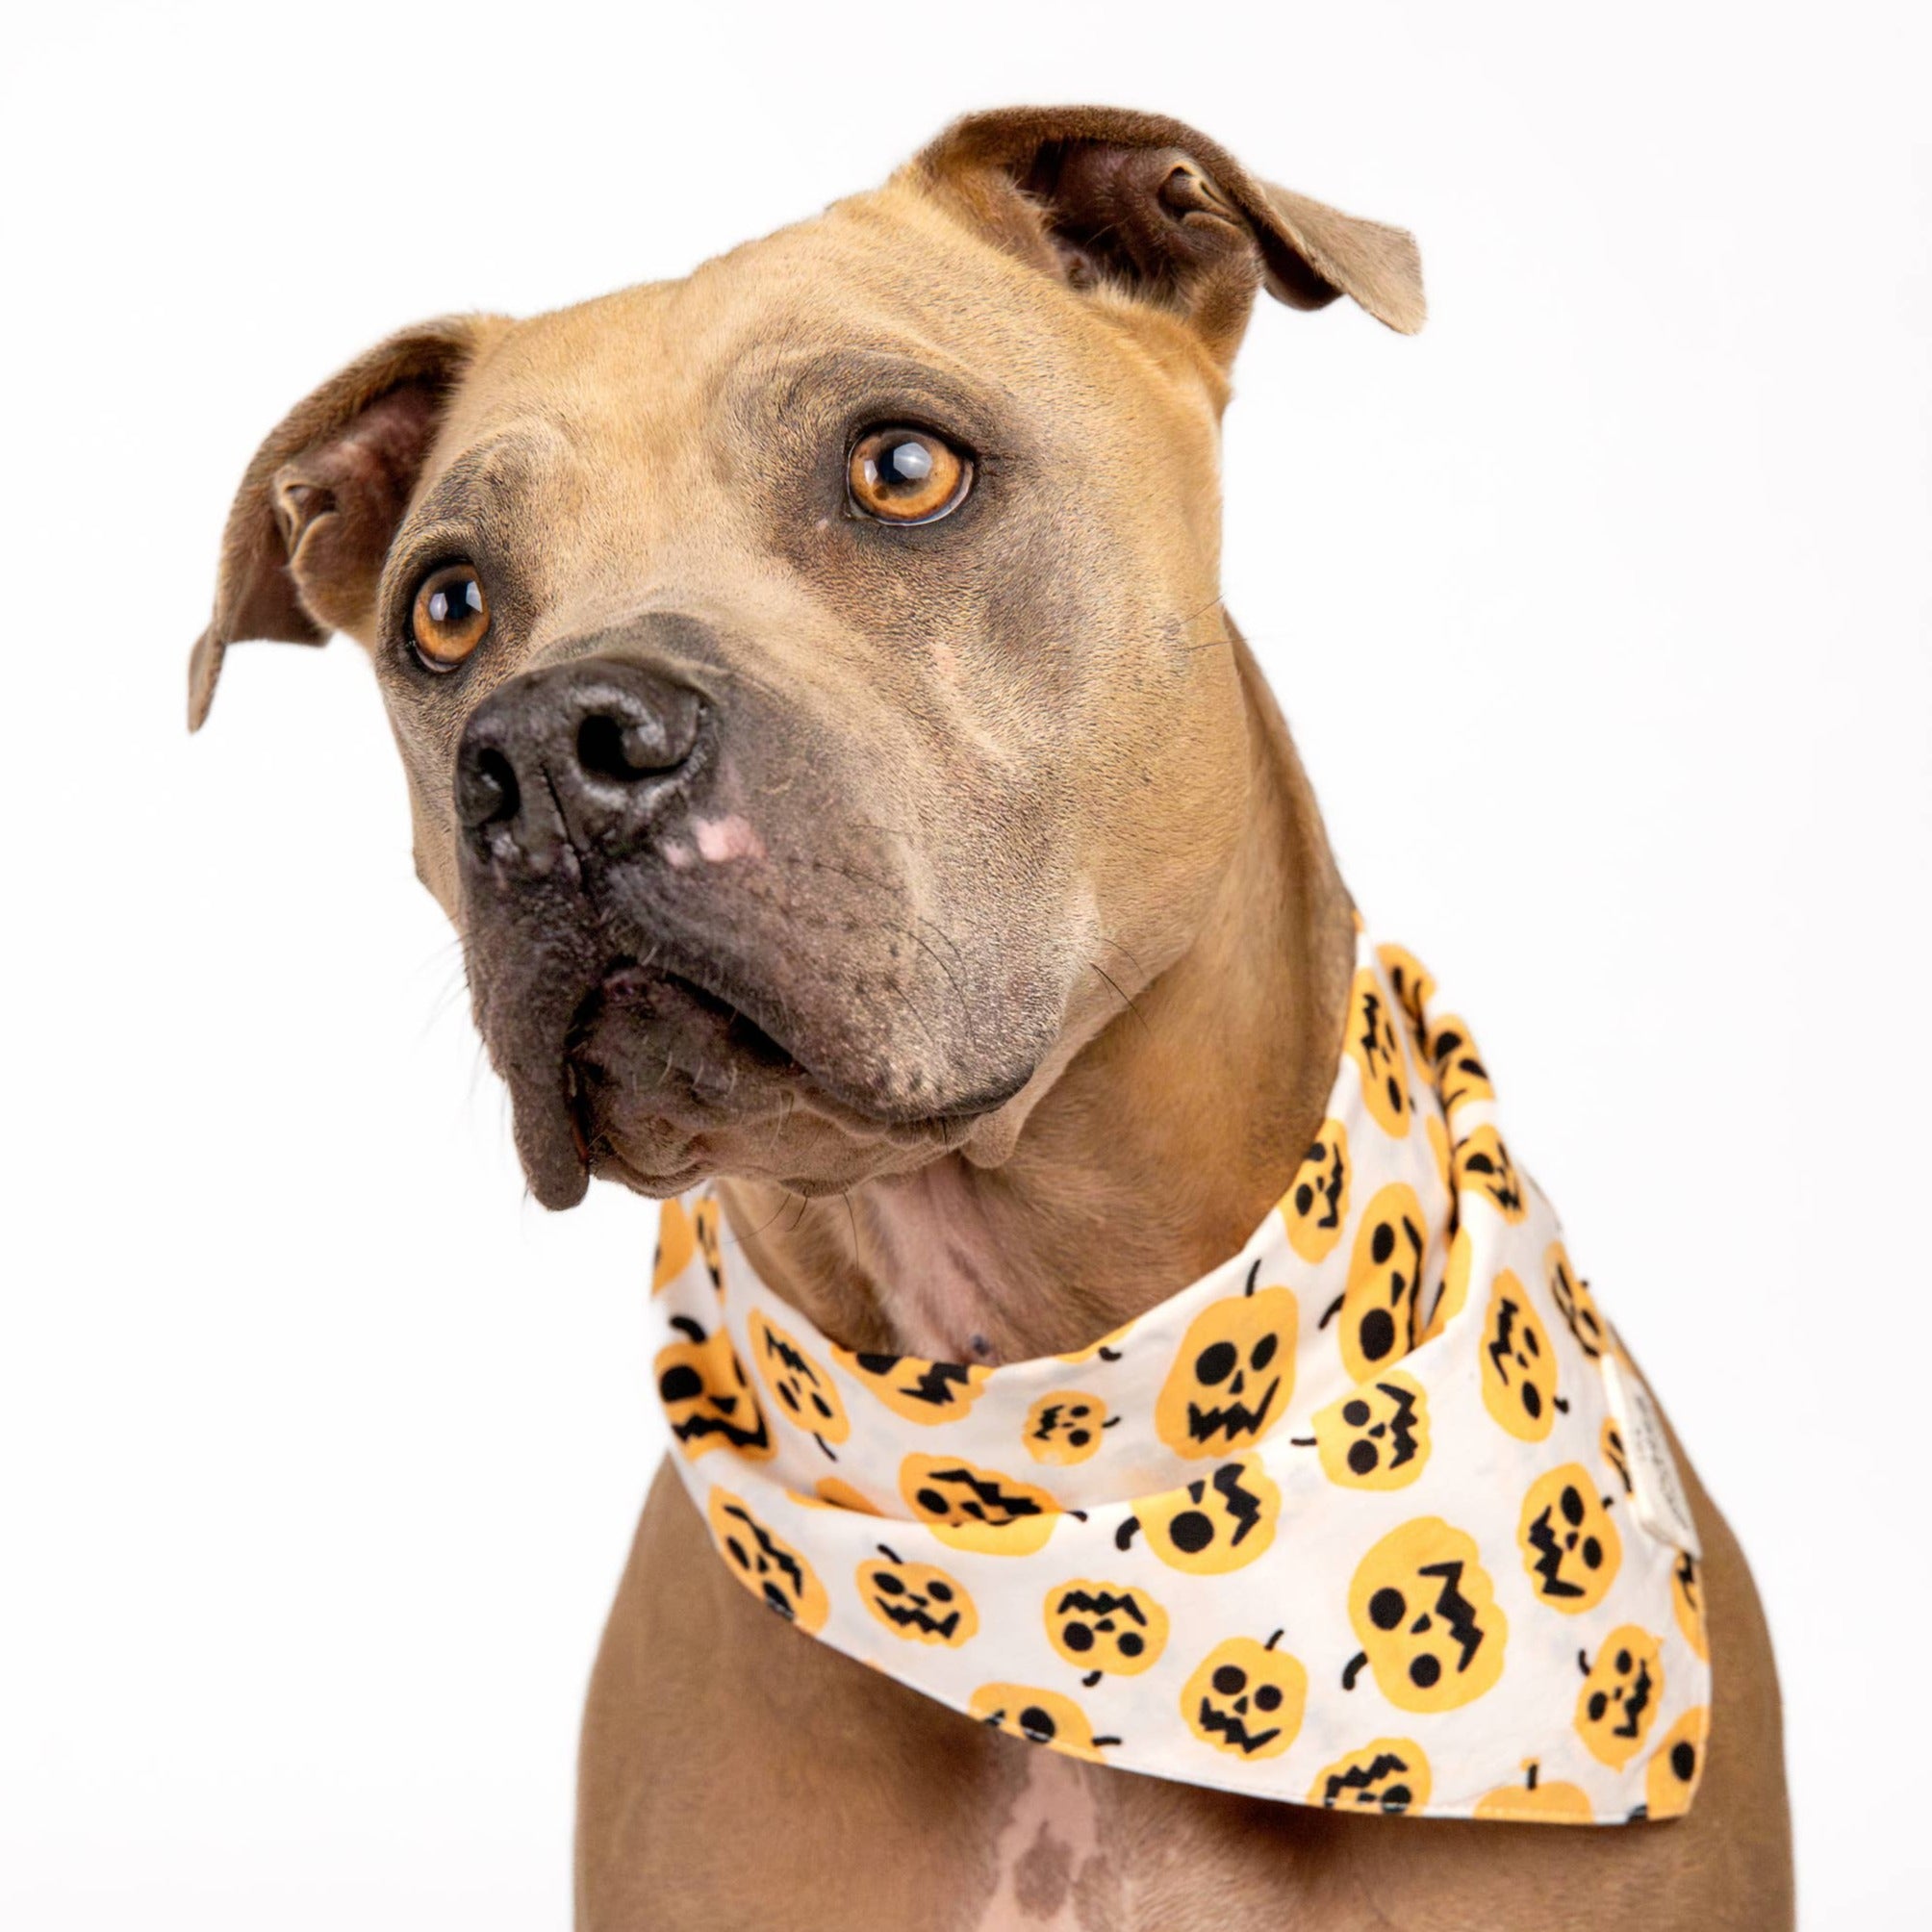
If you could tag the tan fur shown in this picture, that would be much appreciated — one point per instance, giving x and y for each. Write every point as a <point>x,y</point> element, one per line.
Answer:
<point>1005,811</point>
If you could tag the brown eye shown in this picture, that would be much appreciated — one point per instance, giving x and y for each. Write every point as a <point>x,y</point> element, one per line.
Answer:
<point>907,476</point>
<point>449,616</point>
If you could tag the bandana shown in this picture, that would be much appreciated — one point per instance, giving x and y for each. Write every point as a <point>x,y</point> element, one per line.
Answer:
<point>1375,1515</point>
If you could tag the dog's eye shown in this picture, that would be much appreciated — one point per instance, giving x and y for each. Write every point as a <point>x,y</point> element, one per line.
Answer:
<point>903,475</point>
<point>449,616</point>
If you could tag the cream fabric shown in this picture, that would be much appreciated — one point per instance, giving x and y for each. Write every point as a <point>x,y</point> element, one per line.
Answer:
<point>1375,1514</point>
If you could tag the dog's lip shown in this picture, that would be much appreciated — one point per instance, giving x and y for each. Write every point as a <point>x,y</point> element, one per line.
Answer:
<point>737,1040</point>
<point>741,1023</point>
<point>627,981</point>
<point>553,1152</point>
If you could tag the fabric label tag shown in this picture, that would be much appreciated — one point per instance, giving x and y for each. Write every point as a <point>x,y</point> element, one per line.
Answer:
<point>1657,1496</point>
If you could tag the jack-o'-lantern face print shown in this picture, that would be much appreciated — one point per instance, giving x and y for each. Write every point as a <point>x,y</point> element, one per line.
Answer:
<point>1389,1776</point>
<point>912,1387</point>
<point>1413,983</point>
<point>917,1601</point>
<point>1537,1801</point>
<point>1376,1048</point>
<point>1670,1778</point>
<point>1246,1698</point>
<point>1065,1427</point>
<point>765,1563</point>
<point>1621,1690</point>
<point>707,1397</point>
<point>1218,1522</point>
<point>1519,1366</point>
<point>1454,1066</point>
<point>1570,1546</point>
<point>1377,1435</point>
<point>1687,1602</point>
<point>976,1509</point>
<point>1574,1302</point>
<point>1232,1375</point>
<point>707,1228</point>
<point>1039,1717</point>
<point>1105,1628</point>
<point>1425,1614</point>
<point>1481,1164</point>
<point>1375,1317</point>
<point>1610,1443</point>
<point>801,1390</point>
<point>1316,1207</point>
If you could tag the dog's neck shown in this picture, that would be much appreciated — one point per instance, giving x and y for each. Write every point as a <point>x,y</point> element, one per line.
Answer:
<point>1173,1132</point>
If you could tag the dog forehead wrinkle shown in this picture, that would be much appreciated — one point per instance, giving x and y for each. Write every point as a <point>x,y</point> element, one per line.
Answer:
<point>504,461</point>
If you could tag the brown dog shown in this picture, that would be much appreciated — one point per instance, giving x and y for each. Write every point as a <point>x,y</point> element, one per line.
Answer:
<point>824,732</point>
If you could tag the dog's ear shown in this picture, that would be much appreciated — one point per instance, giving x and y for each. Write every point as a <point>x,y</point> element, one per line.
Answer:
<point>319,506</point>
<point>1103,194</point>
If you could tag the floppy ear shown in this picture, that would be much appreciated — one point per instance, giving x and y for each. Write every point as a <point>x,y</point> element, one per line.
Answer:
<point>315,512</point>
<point>1106,195</point>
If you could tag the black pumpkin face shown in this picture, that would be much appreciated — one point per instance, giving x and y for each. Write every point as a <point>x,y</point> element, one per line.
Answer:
<point>1570,1546</point>
<point>707,1225</point>
<point>1377,1435</point>
<point>708,1401</point>
<point>912,1387</point>
<point>976,1509</point>
<point>1574,1302</point>
<point>1413,983</point>
<point>1377,1313</point>
<point>1216,1523</point>
<point>918,1602</point>
<point>1519,1366</point>
<point>1105,1628</point>
<point>1481,1164</point>
<point>802,1390</point>
<point>1065,1427</point>
<point>1374,1045</point>
<point>1233,1374</point>
<point>1621,1690</point>
<point>1247,1698</point>
<point>1426,1614</point>
<point>1454,1066</point>
<point>765,1563</point>
<point>1389,1776</point>
<point>1315,1207</point>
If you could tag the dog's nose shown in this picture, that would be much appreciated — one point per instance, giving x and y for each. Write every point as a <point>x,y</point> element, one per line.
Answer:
<point>587,752</point>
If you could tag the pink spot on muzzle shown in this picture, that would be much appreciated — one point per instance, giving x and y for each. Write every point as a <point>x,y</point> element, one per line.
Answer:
<point>727,838</point>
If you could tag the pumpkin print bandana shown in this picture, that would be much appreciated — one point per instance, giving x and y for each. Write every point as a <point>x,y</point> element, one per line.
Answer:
<point>1375,1515</point>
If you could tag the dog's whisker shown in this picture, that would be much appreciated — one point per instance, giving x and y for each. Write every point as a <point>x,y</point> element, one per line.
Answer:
<point>1097,967</point>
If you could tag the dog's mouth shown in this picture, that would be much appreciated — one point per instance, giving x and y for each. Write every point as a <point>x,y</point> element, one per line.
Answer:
<point>658,1080</point>
<point>652,1059</point>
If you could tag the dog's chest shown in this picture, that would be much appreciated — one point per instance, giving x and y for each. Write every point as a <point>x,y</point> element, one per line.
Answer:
<point>1048,1855</point>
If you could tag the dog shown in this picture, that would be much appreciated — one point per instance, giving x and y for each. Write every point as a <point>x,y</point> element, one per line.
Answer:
<point>823,731</point>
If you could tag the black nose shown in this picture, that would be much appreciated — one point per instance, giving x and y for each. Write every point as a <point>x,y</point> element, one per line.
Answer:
<point>584,755</point>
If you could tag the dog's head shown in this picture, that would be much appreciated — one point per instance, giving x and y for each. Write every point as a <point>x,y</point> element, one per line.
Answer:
<point>816,705</point>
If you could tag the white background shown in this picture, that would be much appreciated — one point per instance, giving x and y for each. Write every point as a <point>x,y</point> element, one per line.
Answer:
<point>1601,611</point>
